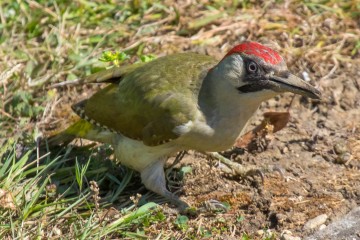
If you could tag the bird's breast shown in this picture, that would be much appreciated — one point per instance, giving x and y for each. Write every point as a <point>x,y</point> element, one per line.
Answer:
<point>215,134</point>
<point>136,155</point>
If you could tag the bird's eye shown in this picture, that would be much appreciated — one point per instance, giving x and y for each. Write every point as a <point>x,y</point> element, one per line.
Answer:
<point>252,67</point>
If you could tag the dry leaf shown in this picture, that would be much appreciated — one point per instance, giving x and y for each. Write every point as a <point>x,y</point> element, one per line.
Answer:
<point>277,119</point>
<point>272,122</point>
<point>6,200</point>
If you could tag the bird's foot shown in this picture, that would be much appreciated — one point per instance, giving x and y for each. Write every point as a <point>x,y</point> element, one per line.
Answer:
<point>213,206</point>
<point>209,206</point>
<point>232,167</point>
<point>181,207</point>
<point>153,178</point>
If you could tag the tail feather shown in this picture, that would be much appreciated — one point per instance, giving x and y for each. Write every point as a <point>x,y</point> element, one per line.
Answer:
<point>60,139</point>
<point>80,129</point>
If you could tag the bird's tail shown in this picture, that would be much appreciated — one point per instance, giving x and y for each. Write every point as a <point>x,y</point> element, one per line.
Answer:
<point>79,129</point>
<point>59,139</point>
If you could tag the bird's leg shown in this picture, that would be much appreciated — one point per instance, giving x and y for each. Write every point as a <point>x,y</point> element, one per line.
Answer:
<point>238,169</point>
<point>153,177</point>
<point>178,158</point>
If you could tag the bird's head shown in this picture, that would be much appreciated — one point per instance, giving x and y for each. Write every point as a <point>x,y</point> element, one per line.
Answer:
<point>254,68</point>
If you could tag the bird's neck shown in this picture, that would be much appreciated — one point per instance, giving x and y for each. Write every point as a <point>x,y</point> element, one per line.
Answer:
<point>225,109</point>
<point>219,98</point>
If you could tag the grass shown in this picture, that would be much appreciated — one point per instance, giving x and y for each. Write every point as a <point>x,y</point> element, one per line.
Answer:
<point>51,199</point>
<point>72,192</point>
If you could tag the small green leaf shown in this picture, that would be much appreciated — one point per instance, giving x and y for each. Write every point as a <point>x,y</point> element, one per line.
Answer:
<point>186,169</point>
<point>181,222</point>
<point>240,219</point>
<point>113,56</point>
<point>147,58</point>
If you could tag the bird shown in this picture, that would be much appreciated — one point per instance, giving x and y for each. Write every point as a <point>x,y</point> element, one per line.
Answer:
<point>179,102</point>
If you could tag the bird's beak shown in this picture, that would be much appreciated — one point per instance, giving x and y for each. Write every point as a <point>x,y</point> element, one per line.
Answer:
<point>294,84</point>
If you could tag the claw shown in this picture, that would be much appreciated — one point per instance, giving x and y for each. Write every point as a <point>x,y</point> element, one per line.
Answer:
<point>254,172</point>
<point>236,168</point>
<point>229,166</point>
<point>213,205</point>
<point>280,171</point>
<point>178,158</point>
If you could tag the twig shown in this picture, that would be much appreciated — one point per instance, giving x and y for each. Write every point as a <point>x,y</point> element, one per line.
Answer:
<point>65,83</point>
<point>291,103</point>
<point>7,74</point>
<point>7,114</point>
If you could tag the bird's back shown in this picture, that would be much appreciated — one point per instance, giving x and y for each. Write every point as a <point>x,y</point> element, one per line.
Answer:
<point>151,100</point>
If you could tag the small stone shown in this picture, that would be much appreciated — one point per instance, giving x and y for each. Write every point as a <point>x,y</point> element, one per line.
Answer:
<point>57,231</point>
<point>285,150</point>
<point>272,103</point>
<point>264,233</point>
<point>347,227</point>
<point>268,233</point>
<point>260,232</point>
<point>340,148</point>
<point>315,222</point>
<point>329,23</point>
<point>306,76</point>
<point>286,232</point>
<point>281,218</point>
<point>289,237</point>
<point>343,158</point>
<point>322,227</point>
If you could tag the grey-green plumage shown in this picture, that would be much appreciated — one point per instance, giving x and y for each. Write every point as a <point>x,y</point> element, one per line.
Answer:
<point>144,108</point>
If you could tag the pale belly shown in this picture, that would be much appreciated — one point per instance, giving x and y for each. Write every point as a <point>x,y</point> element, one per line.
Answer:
<point>222,137</point>
<point>134,154</point>
<point>202,137</point>
<point>215,143</point>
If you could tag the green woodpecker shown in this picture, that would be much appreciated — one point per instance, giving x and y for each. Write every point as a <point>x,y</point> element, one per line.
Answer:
<point>180,102</point>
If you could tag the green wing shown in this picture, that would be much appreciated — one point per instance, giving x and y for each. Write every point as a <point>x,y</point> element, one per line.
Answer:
<point>151,99</point>
<point>112,75</point>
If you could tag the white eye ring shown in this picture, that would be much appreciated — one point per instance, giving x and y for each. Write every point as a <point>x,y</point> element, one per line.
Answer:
<point>252,67</point>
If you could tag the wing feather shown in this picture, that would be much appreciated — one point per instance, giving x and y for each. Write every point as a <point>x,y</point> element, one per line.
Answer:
<point>151,100</point>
